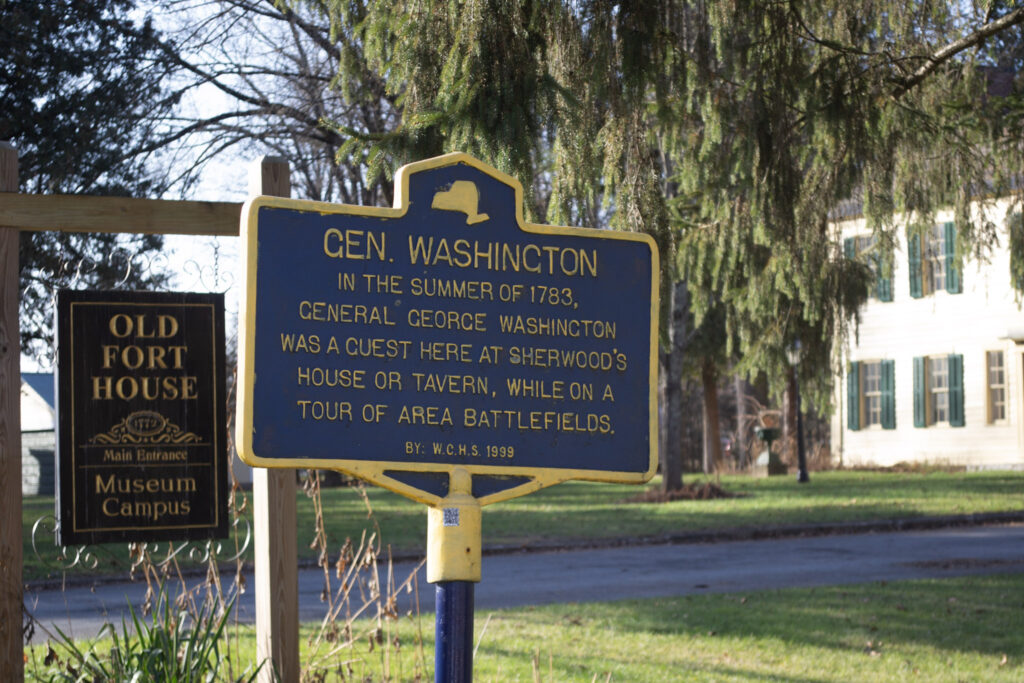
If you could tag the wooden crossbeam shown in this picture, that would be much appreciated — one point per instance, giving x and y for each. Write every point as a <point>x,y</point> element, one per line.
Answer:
<point>84,213</point>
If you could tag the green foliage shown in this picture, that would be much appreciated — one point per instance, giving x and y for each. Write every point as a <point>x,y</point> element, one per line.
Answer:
<point>1016,224</point>
<point>174,646</point>
<point>729,131</point>
<point>82,86</point>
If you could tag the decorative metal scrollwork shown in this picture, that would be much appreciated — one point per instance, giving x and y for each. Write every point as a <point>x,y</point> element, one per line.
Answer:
<point>214,548</point>
<point>85,556</point>
<point>67,557</point>
<point>209,273</point>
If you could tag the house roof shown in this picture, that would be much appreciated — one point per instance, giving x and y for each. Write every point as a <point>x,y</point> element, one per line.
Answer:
<point>42,384</point>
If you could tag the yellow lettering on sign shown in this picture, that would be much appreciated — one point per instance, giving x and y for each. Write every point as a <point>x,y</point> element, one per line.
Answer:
<point>383,284</point>
<point>461,321</point>
<point>360,347</point>
<point>474,290</point>
<point>150,388</point>
<point>446,351</point>
<point>355,244</point>
<point>537,420</point>
<point>490,354</point>
<point>500,256</point>
<point>321,311</point>
<point>142,326</point>
<point>332,411</point>
<point>341,378</point>
<point>300,343</point>
<point>451,384</point>
<point>115,484</point>
<point>425,415</point>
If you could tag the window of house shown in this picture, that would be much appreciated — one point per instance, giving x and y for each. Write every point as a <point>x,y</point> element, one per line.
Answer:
<point>939,390</point>
<point>871,385</point>
<point>935,259</point>
<point>871,394</point>
<point>863,246</point>
<point>932,261</point>
<point>996,367</point>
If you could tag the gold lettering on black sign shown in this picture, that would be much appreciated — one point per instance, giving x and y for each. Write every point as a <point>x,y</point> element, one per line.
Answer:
<point>137,357</point>
<point>141,443</point>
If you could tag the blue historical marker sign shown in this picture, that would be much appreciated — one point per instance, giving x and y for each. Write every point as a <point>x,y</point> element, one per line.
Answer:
<point>395,344</point>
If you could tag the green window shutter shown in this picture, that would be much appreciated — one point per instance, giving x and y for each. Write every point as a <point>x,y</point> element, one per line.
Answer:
<point>954,285</point>
<point>888,394</point>
<point>956,390</point>
<point>849,248</point>
<point>920,394</point>
<point>853,397</point>
<point>914,261</point>
<point>884,285</point>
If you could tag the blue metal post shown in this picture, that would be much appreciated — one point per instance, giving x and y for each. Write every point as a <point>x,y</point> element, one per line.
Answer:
<point>453,628</point>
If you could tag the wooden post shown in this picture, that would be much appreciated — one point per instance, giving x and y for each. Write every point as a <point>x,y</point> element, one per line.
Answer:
<point>273,495</point>
<point>12,666</point>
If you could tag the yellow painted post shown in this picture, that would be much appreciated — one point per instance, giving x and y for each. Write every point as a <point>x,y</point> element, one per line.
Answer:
<point>454,533</point>
<point>12,667</point>
<point>273,494</point>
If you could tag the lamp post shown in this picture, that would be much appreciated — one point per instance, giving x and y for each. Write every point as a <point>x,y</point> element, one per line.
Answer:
<point>793,354</point>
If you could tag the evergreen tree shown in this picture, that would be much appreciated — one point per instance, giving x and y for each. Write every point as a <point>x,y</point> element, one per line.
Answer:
<point>83,93</point>
<point>727,130</point>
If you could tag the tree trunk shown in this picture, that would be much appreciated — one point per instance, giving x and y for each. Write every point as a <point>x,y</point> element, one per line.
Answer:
<point>712,435</point>
<point>742,389</point>
<point>672,454</point>
<point>662,403</point>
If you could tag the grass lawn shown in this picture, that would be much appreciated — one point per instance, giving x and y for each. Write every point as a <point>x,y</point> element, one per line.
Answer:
<point>963,629</point>
<point>584,511</point>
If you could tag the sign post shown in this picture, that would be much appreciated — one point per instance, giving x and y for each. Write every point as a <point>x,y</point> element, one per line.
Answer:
<point>447,350</point>
<point>276,576</point>
<point>12,666</point>
<point>26,213</point>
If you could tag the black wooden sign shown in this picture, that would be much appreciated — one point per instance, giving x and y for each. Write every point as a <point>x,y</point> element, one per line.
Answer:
<point>141,417</point>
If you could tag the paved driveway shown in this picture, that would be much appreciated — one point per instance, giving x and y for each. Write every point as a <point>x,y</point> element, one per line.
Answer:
<point>636,572</point>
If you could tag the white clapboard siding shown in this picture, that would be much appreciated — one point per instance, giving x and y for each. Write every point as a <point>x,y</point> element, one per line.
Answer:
<point>971,323</point>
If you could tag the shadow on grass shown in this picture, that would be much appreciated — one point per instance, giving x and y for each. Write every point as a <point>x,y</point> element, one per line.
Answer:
<point>955,629</point>
<point>574,666</point>
<point>978,614</point>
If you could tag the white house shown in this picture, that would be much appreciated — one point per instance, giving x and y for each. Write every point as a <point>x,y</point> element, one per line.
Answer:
<point>38,420</point>
<point>935,372</point>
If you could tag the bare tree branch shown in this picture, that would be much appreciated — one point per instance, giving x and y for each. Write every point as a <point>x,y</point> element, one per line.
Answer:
<point>938,58</point>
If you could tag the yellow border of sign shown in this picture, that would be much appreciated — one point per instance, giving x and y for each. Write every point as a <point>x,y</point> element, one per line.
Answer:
<point>374,471</point>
